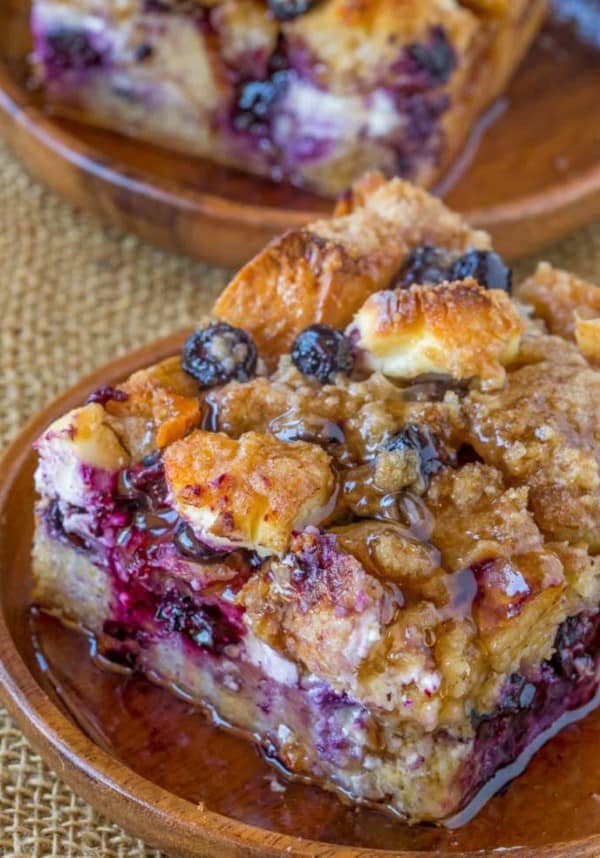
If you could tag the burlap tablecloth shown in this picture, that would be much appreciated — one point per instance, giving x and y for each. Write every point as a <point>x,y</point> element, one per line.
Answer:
<point>73,295</point>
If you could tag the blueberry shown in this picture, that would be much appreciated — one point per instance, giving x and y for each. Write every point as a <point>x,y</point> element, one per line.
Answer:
<point>321,351</point>
<point>205,624</point>
<point>516,695</point>
<point>285,10</point>
<point>255,101</point>
<point>174,611</point>
<point>421,440</point>
<point>143,486</point>
<point>576,642</point>
<point>219,353</point>
<point>143,52</point>
<point>56,525</point>
<point>70,49</point>
<point>424,265</point>
<point>436,58</point>
<point>151,459</point>
<point>107,394</point>
<point>486,267</point>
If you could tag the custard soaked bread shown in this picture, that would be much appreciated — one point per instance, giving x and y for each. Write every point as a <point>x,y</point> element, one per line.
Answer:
<point>358,517</point>
<point>310,91</point>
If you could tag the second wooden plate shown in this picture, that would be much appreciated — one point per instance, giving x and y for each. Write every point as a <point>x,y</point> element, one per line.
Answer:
<point>528,177</point>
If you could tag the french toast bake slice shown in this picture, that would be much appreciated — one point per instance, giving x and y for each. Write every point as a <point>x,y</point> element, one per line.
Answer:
<point>366,534</point>
<point>310,92</point>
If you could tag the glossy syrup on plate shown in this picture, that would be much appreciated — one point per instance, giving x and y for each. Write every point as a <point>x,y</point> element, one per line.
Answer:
<point>170,742</point>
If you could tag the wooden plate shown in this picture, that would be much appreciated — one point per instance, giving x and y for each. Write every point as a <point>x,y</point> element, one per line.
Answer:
<point>535,176</point>
<point>152,763</point>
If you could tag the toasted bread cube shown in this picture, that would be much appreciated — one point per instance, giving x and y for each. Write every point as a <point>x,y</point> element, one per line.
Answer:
<point>326,271</point>
<point>162,404</point>
<point>518,605</point>
<point>558,296</point>
<point>251,493</point>
<point>83,437</point>
<point>457,329</point>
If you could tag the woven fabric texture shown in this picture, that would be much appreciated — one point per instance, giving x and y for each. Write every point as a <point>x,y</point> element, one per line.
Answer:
<point>74,295</point>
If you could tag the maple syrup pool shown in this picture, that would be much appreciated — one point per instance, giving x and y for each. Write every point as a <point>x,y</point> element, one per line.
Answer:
<point>173,744</point>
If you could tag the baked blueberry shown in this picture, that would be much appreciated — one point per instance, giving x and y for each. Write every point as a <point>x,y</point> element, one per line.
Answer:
<point>321,351</point>
<point>205,624</point>
<point>143,52</point>
<point>436,58</point>
<point>426,264</point>
<point>107,394</point>
<point>256,98</point>
<point>173,610</point>
<point>219,353</point>
<point>143,485</point>
<point>255,101</point>
<point>486,267</point>
<point>574,641</point>
<point>70,49</point>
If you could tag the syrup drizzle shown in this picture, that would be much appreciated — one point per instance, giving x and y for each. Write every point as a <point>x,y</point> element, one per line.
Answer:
<point>169,741</point>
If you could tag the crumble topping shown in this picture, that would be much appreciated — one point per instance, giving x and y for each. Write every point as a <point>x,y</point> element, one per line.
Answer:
<point>557,297</point>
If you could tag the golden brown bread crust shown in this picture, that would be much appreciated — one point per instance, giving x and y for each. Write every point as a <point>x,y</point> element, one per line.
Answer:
<point>459,329</point>
<point>162,404</point>
<point>299,279</point>
<point>249,493</point>
<point>325,272</point>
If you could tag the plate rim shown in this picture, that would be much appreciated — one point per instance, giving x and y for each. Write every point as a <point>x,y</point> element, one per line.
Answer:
<point>139,805</point>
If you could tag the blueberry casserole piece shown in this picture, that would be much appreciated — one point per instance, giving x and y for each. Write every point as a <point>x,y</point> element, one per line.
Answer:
<point>358,517</point>
<point>310,91</point>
